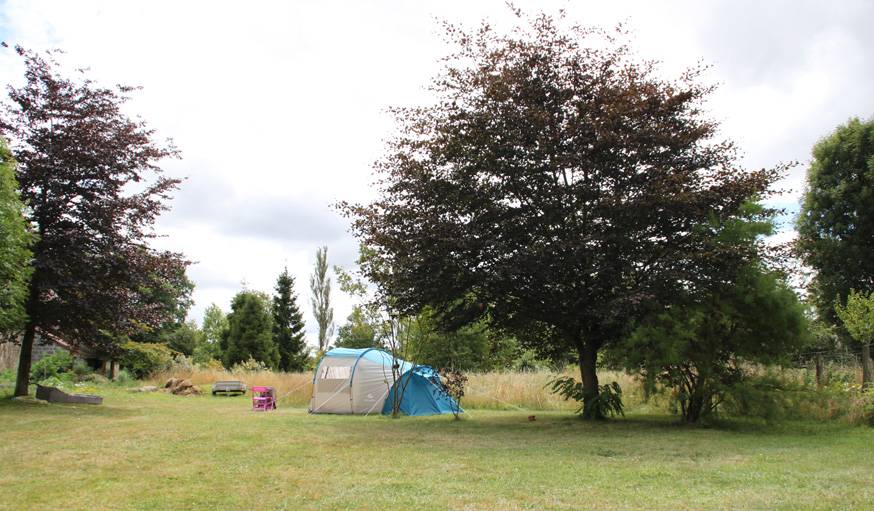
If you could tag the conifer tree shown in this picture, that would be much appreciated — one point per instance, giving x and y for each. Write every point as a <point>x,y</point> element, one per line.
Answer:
<point>288,325</point>
<point>250,331</point>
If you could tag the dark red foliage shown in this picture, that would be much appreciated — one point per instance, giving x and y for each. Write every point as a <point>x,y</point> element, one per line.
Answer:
<point>556,179</point>
<point>90,176</point>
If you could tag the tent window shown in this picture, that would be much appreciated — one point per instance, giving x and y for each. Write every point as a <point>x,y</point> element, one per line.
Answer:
<point>336,373</point>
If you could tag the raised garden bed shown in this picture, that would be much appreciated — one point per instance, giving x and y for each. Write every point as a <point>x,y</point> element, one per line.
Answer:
<point>53,395</point>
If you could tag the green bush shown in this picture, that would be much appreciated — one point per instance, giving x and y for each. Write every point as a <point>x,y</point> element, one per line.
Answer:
<point>51,366</point>
<point>140,359</point>
<point>81,368</point>
<point>8,375</point>
<point>608,402</point>
<point>766,396</point>
<point>249,366</point>
<point>776,396</point>
<point>60,381</point>
<point>123,377</point>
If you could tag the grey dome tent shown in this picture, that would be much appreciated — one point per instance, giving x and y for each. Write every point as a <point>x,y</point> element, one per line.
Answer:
<point>359,381</point>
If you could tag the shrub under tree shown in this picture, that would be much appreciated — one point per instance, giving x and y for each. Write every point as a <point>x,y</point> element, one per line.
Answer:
<point>699,343</point>
<point>857,316</point>
<point>698,348</point>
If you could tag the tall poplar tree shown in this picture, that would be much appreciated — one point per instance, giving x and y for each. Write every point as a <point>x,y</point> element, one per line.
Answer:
<point>320,289</point>
<point>90,177</point>
<point>288,325</point>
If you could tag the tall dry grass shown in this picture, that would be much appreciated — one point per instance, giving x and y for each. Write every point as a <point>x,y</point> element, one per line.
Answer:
<point>495,390</point>
<point>529,390</point>
<point>291,388</point>
<point>797,398</point>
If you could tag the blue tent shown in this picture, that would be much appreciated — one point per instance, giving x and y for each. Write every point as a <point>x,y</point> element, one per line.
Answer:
<point>361,381</point>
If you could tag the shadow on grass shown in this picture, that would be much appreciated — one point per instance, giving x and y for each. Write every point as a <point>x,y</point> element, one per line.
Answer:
<point>8,405</point>
<point>490,422</point>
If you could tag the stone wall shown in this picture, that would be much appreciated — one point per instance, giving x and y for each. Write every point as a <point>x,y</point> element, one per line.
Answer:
<point>8,355</point>
<point>9,352</point>
<point>41,351</point>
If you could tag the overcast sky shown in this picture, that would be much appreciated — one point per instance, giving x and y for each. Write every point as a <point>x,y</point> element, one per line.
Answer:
<point>279,108</point>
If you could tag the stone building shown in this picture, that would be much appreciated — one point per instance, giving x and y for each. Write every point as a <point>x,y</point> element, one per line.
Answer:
<point>47,344</point>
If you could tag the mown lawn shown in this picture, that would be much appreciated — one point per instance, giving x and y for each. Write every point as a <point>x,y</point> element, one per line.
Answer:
<point>156,451</point>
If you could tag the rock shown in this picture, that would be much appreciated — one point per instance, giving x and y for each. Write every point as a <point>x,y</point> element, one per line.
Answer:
<point>182,387</point>
<point>145,388</point>
<point>187,391</point>
<point>95,378</point>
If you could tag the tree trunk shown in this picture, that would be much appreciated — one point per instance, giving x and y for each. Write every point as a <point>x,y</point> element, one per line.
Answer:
<point>588,357</point>
<point>818,362</point>
<point>694,407</point>
<point>25,357</point>
<point>866,365</point>
<point>24,360</point>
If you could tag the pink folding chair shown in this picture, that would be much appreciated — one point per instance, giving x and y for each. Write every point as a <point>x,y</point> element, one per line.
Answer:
<point>263,399</point>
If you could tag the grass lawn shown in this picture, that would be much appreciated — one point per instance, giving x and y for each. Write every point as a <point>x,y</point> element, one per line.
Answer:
<point>157,451</point>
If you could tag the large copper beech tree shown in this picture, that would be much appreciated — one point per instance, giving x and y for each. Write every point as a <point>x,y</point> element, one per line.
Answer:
<point>89,176</point>
<point>555,185</point>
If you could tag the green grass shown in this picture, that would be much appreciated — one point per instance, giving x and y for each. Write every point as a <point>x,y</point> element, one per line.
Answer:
<point>157,451</point>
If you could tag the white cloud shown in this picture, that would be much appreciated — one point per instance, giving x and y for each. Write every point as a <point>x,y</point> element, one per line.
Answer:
<point>278,108</point>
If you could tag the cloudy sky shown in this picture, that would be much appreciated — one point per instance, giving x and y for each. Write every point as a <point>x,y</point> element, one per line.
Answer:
<point>279,108</point>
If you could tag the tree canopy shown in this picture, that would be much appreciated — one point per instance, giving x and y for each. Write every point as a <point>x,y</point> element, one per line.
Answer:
<point>90,176</point>
<point>357,332</point>
<point>836,223</point>
<point>464,349</point>
<point>556,183</point>
<point>250,331</point>
<point>15,242</point>
<point>185,338</point>
<point>857,317</point>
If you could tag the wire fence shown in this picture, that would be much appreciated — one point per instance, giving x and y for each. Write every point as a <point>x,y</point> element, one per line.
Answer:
<point>844,358</point>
